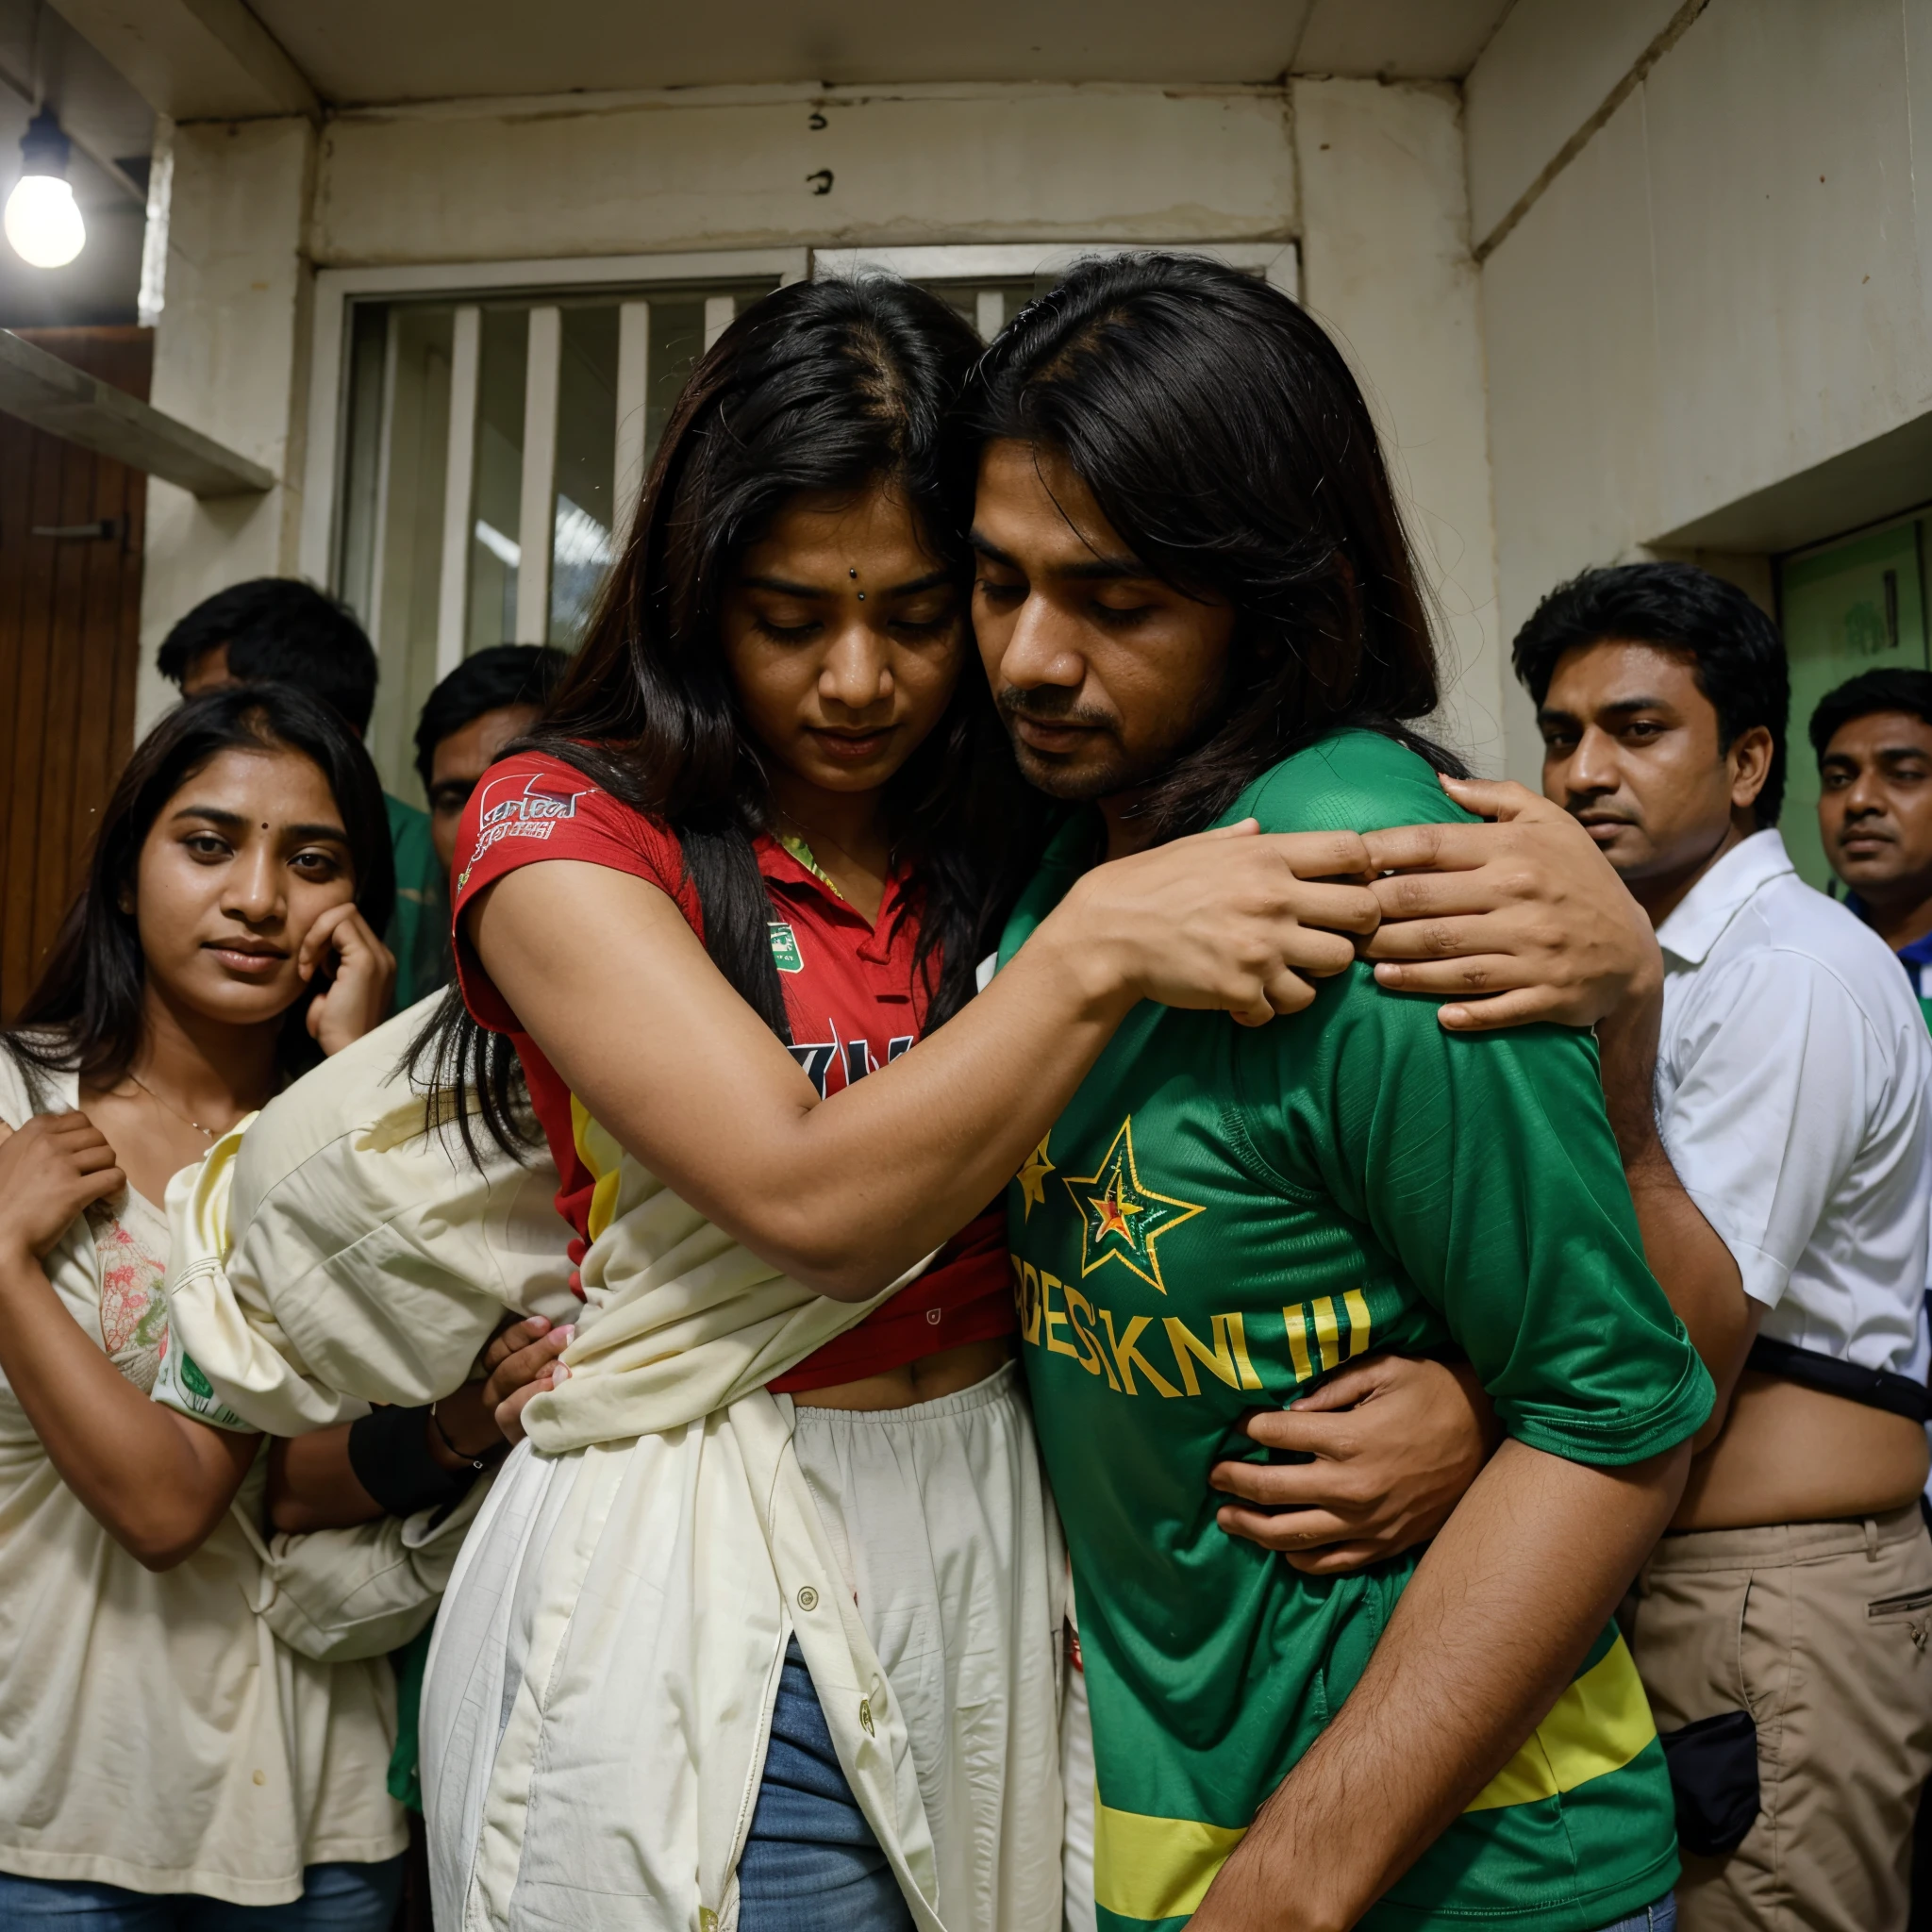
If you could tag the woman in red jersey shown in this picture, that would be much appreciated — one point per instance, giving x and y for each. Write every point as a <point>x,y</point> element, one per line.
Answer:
<point>797,1659</point>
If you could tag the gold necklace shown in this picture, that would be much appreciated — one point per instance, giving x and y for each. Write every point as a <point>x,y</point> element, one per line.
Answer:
<point>206,1133</point>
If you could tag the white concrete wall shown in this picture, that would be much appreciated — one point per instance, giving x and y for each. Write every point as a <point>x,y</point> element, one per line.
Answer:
<point>231,360</point>
<point>1725,288</point>
<point>1386,265</point>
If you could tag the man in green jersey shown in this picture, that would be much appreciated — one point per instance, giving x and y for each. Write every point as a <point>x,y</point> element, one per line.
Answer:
<point>1195,607</point>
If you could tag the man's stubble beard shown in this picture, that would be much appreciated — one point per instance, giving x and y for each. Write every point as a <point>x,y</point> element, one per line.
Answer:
<point>1084,783</point>
<point>1081,784</point>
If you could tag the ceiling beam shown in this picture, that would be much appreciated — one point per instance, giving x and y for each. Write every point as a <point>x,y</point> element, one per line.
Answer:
<point>69,403</point>
<point>195,60</point>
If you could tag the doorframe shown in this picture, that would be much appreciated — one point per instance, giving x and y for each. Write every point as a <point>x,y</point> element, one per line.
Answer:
<point>1276,262</point>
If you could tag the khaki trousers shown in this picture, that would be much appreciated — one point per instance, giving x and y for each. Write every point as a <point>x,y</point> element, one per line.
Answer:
<point>1820,1631</point>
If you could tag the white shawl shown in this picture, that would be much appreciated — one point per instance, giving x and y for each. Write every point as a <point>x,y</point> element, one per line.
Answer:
<point>341,1250</point>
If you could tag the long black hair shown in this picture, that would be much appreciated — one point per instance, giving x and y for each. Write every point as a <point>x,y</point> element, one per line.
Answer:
<point>821,389</point>
<point>85,1015</point>
<point>1223,437</point>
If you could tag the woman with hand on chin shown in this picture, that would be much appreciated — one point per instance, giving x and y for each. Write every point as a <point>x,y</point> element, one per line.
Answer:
<point>164,1760</point>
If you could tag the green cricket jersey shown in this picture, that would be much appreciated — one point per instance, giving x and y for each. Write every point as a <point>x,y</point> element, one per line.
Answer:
<point>418,931</point>
<point>1221,1216</point>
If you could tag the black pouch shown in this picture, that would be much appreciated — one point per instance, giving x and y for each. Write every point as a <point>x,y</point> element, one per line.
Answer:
<point>1713,1766</point>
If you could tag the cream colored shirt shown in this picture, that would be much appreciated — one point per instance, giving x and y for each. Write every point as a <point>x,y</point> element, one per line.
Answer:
<point>608,1651</point>
<point>155,1732</point>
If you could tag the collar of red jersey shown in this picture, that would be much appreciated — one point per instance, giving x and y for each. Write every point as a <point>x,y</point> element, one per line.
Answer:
<point>784,868</point>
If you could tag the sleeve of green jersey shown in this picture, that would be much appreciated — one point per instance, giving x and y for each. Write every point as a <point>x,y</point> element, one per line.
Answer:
<point>1485,1166</point>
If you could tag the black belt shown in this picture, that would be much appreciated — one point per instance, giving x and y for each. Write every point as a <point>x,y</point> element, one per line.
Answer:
<point>1874,1388</point>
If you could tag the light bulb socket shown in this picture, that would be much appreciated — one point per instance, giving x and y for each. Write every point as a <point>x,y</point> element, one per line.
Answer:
<point>43,149</point>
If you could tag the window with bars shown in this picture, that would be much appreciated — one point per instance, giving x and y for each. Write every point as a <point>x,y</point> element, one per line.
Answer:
<point>545,409</point>
<point>493,451</point>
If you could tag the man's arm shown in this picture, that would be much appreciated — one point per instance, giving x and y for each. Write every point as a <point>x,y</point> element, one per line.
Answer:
<point>158,1482</point>
<point>1781,1078</point>
<point>1526,913</point>
<point>1697,1272</point>
<point>1501,1610</point>
<point>1521,1234</point>
<point>312,1483</point>
<point>1515,920</point>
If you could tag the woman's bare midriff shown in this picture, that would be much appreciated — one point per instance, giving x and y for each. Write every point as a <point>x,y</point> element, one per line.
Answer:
<point>1790,1453</point>
<point>926,1380</point>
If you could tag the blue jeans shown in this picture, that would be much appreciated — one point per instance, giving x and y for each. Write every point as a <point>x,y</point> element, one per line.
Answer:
<point>1662,1917</point>
<point>811,1863</point>
<point>335,1898</point>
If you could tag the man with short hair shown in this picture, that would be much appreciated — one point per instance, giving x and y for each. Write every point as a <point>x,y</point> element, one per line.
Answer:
<point>1873,736</point>
<point>1781,1627</point>
<point>274,630</point>
<point>1874,740</point>
<point>279,630</point>
<point>479,708</point>
<point>1195,607</point>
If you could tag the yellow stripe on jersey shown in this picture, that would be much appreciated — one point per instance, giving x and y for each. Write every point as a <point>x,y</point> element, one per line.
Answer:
<point>1155,1868</point>
<point>1359,1325</point>
<point>1298,1341</point>
<point>1327,1330</point>
<point>1161,1868</point>
<point>1597,1727</point>
<point>600,1155</point>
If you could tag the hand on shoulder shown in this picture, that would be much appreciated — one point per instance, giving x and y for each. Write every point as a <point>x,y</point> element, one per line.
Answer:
<point>1515,920</point>
<point>1232,918</point>
<point>51,1170</point>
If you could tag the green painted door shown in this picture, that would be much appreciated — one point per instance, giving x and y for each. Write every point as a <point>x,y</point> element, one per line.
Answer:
<point>1858,606</point>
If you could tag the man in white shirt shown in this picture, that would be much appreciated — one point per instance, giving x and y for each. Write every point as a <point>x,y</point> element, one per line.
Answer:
<point>1782,1624</point>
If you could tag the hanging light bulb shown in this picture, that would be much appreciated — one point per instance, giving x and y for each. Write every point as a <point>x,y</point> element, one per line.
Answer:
<point>41,221</point>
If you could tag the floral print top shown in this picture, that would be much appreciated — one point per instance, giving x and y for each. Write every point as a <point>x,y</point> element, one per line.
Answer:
<point>131,1237</point>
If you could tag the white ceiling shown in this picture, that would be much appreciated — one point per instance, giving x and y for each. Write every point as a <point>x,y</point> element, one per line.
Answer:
<point>356,51</point>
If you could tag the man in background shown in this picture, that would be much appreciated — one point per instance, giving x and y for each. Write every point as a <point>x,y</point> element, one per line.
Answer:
<point>476,710</point>
<point>1781,1629</point>
<point>279,630</point>
<point>1873,740</point>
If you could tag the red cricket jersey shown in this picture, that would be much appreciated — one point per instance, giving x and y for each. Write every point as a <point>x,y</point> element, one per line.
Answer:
<point>851,995</point>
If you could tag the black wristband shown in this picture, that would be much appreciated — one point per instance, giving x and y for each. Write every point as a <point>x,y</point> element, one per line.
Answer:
<point>390,1454</point>
<point>491,1455</point>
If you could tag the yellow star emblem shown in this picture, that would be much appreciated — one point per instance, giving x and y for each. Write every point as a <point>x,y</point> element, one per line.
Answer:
<point>1032,1179</point>
<point>1122,1220</point>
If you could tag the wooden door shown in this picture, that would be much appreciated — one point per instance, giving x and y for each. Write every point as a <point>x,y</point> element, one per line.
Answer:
<point>71,526</point>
